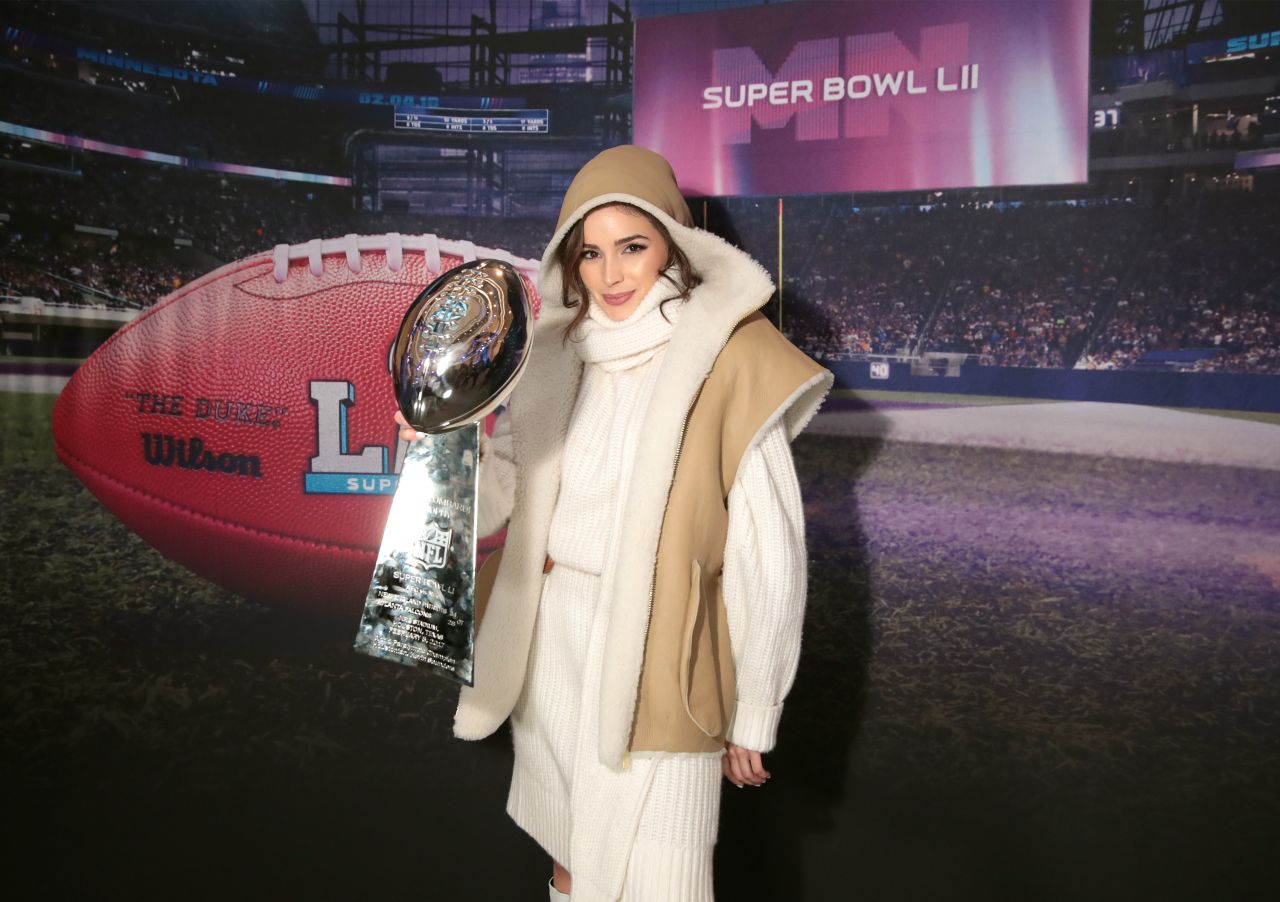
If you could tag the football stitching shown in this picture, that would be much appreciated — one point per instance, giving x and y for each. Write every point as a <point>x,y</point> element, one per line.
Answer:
<point>312,543</point>
<point>241,287</point>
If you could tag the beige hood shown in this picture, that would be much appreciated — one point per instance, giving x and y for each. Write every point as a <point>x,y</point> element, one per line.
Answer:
<point>638,176</point>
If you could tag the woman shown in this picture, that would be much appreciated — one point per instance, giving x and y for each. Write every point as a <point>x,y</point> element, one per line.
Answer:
<point>644,622</point>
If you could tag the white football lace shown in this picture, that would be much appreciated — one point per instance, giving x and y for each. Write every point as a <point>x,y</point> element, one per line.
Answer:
<point>393,245</point>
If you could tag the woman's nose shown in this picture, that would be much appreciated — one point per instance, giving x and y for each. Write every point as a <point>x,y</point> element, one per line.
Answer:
<point>612,271</point>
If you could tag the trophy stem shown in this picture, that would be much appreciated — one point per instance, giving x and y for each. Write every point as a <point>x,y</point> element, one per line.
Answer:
<point>420,609</point>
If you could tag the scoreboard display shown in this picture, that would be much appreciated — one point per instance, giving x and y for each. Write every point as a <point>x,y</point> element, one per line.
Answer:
<point>492,121</point>
<point>1108,117</point>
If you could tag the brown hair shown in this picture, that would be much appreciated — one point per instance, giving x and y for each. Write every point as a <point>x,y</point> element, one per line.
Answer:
<point>569,257</point>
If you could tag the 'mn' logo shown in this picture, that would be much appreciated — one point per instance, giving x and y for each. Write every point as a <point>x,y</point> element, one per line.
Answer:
<point>335,470</point>
<point>746,92</point>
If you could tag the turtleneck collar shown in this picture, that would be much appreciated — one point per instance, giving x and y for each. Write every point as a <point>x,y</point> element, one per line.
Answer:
<point>622,344</point>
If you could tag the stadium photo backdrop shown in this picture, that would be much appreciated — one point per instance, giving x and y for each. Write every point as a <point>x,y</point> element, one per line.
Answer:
<point>1039,656</point>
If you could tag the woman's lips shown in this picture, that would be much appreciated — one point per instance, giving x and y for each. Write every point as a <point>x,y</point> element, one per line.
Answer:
<point>615,300</point>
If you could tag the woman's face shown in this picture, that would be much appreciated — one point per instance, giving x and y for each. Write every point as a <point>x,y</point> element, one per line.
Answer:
<point>622,256</point>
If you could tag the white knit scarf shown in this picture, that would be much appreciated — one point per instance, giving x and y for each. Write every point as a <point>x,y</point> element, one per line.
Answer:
<point>622,344</point>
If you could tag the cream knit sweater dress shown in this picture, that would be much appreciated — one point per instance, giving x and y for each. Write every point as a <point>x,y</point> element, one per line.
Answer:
<point>646,833</point>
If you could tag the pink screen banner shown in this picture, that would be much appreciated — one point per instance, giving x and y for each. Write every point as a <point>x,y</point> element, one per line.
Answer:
<point>804,98</point>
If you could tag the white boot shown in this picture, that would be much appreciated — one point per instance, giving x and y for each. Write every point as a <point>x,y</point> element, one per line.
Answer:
<point>556,895</point>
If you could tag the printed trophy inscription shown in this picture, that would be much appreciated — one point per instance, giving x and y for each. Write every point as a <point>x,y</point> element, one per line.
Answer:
<point>460,350</point>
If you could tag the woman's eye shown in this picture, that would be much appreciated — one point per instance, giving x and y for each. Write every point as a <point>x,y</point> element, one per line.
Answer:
<point>636,248</point>
<point>589,255</point>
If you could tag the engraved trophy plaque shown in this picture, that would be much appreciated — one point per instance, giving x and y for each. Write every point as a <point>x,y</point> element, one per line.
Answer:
<point>460,350</point>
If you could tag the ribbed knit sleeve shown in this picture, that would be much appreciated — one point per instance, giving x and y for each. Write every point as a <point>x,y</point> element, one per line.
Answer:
<point>497,491</point>
<point>765,580</point>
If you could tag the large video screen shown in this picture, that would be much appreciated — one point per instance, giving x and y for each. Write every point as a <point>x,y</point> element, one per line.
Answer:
<point>802,98</point>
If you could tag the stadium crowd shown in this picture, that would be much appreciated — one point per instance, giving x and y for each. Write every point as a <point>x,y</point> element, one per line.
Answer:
<point>1016,286</point>
<point>1013,286</point>
<point>1033,284</point>
<point>1027,282</point>
<point>1208,282</point>
<point>145,208</point>
<point>855,283</point>
<point>223,218</point>
<point>76,272</point>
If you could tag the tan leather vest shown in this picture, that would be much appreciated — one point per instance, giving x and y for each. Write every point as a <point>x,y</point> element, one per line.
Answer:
<point>687,688</point>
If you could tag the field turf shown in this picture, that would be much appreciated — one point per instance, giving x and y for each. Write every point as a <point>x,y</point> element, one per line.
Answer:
<point>1026,676</point>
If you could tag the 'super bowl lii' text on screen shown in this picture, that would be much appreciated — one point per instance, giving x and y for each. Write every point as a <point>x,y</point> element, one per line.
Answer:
<point>813,97</point>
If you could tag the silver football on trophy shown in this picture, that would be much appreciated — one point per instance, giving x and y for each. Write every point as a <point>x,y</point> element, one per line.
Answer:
<point>462,346</point>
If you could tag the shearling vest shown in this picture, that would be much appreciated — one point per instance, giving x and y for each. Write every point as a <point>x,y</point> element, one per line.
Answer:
<point>686,695</point>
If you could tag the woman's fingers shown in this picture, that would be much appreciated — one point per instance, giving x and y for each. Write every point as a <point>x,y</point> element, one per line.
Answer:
<point>407,432</point>
<point>743,767</point>
<point>754,766</point>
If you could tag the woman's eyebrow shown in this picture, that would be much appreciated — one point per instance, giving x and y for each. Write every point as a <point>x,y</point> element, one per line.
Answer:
<point>587,245</point>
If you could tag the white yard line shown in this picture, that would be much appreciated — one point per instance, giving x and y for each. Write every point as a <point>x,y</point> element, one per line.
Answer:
<point>27,384</point>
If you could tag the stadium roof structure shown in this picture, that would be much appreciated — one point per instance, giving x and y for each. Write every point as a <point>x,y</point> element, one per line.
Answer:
<point>486,39</point>
<point>1121,27</point>
<point>256,38</point>
<point>553,40</point>
<point>277,21</point>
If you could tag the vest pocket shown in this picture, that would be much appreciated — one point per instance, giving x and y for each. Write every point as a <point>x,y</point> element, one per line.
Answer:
<point>699,673</point>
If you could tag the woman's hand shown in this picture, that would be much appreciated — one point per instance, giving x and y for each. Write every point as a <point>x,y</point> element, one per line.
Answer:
<point>407,432</point>
<point>742,767</point>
